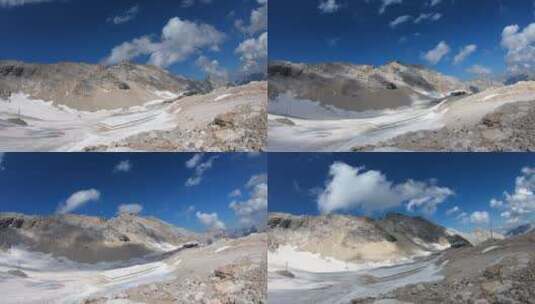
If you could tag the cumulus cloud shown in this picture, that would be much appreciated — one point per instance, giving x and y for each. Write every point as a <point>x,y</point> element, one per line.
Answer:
<point>253,54</point>
<point>521,202</point>
<point>179,40</point>
<point>386,3</point>
<point>258,20</point>
<point>436,54</point>
<point>235,193</point>
<point>352,187</point>
<point>199,166</point>
<point>428,16</point>
<point>126,16</point>
<point>434,2</point>
<point>479,217</point>
<point>190,3</point>
<point>253,212</point>
<point>194,160</point>
<point>464,53</point>
<point>453,210</point>
<point>212,68</point>
<point>123,166</point>
<point>494,203</point>
<point>129,209</point>
<point>520,47</point>
<point>211,221</point>
<point>77,200</point>
<point>13,3</point>
<point>400,20</point>
<point>328,6</point>
<point>479,70</point>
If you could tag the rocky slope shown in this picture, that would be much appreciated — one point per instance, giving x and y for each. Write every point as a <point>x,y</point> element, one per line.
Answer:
<point>520,230</point>
<point>501,271</point>
<point>360,239</point>
<point>91,239</point>
<point>499,119</point>
<point>92,87</point>
<point>361,87</point>
<point>226,272</point>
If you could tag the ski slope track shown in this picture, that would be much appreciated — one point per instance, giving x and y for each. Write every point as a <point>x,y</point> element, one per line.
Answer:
<point>53,280</point>
<point>342,131</point>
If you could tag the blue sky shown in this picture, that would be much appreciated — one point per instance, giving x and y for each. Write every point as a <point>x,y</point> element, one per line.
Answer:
<point>357,31</point>
<point>49,31</point>
<point>439,183</point>
<point>42,183</point>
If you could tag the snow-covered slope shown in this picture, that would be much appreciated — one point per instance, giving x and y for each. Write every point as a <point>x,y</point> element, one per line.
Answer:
<point>91,239</point>
<point>339,242</point>
<point>360,87</point>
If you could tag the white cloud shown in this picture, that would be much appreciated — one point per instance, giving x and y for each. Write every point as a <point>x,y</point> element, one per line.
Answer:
<point>400,20</point>
<point>463,217</point>
<point>453,210</point>
<point>200,167</point>
<point>464,52</point>
<point>328,6</point>
<point>77,200</point>
<point>212,68</point>
<point>520,46</point>
<point>521,202</point>
<point>351,188</point>
<point>123,166</point>
<point>253,212</point>
<point>479,217</point>
<point>479,70</point>
<point>179,40</point>
<point>126,16</point>
<point>435,55</point>
<point>129,209</point>
<point>211,221</point>
<point>13,3</point>
<point>194,160</point>
<point>429,16</point>
<point>258,20</point>
<point>253,54</point>
<point>2,154</point>
<point>190,3</point>
<point>434,2</point>
<point>494,203</point>
<point>386,3</point>
<point>235,193</point>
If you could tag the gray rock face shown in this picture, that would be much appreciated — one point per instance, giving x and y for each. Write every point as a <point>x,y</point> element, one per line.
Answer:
<point>90,239</point>
<point>520,230</point>
<point>359,87</point>
<point>351,238</point>
<point>91,87</point>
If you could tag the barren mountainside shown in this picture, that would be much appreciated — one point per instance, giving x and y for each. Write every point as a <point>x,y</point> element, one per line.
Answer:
<point>91,239</point>
<point>361,87</point>
<point>92,87</point>
<point>360,239</point>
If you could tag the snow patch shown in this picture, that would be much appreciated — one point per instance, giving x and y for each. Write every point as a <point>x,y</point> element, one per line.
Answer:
<point>488,249</point>
<point>221,249</point>
<point>221,97</point>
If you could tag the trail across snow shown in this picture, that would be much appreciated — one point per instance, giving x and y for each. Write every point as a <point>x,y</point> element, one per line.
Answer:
<point>59,128</point>
<point>306,126</point>
<point>325,281</point>
<point>56,280</point>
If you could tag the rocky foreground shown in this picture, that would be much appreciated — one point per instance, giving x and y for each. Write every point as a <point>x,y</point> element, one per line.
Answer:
<point>234,275</point>
<point>494,272</point>
<point>510,128</point>
<point>127,259</point>
<point>226,120</point>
